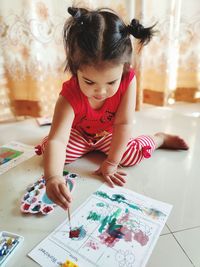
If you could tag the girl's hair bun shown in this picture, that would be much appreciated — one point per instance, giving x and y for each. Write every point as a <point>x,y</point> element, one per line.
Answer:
<point>74,12</point>
<point>138,31</point>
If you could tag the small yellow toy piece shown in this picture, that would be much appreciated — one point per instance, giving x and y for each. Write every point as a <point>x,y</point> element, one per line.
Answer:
<point>69,263</point>
<point>9,241</point>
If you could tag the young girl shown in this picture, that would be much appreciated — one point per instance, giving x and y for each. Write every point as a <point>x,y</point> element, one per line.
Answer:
<point>95,109</point>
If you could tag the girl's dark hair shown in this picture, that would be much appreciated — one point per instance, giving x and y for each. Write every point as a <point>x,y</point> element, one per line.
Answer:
<point>94,36</point>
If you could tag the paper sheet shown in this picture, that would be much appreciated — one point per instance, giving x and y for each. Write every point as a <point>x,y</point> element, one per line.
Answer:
<point>118,228</point>
<point>13,154</point>
<point>44,121</point>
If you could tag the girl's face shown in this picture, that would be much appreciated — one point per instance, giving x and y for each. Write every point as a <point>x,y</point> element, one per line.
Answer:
<point>101,82</point>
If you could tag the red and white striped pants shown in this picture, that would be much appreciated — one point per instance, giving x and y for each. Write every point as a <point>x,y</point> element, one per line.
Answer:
<point>136,150</point>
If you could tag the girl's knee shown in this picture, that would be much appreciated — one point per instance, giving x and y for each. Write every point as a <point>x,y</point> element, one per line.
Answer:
<point>136,155</point>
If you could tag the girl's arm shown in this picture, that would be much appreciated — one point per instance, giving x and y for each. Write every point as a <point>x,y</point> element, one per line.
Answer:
<point>122,131</point>
<point>123,125</point>
<point>55,153</point>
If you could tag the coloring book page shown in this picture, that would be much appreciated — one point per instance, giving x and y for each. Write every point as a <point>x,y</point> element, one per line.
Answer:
<point>115,227</point>
<point>14,153</point>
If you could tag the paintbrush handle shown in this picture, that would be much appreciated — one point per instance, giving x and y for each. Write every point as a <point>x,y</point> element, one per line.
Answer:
<point>69,217</point>
<point>68,211</point>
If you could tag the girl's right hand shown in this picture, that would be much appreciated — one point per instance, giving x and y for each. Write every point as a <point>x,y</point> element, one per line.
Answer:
<point>111,173</point>
<point>58,192</point>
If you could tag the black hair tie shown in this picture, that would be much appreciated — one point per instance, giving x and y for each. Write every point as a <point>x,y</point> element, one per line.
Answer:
<point>74,12</point>
<point>138,31</point>
<point>135,28</point>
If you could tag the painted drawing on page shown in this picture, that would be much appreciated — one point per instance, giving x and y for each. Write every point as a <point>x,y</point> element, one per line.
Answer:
<point>113,229</point>
<point>7,154</point>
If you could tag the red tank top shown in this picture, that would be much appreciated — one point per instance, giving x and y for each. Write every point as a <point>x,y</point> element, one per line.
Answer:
<point>91,123</point>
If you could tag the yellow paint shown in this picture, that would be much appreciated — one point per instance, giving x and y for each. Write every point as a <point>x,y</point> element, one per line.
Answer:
<point>69,263</point>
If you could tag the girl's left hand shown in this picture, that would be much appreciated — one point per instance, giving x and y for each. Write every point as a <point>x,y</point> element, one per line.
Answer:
<point>111,174</point>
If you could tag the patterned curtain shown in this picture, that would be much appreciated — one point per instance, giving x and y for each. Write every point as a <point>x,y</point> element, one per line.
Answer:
<point>31,40</point>
<point>32,55</point>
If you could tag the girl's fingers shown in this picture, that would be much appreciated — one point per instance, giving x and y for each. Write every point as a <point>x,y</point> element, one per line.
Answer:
<point>65,192</point>
<point>60,199</point>
<point>122,173</point>
<point>117,181</point>
<point>61,204</point>
<point>116,177</point>
<point>109,181</point>
<point>121,178</point>
<point>57,201</point>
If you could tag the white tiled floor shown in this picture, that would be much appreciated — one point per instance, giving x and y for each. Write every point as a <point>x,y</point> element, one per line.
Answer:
<point>169,176</point>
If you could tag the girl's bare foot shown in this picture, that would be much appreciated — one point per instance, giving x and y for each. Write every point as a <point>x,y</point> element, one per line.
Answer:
<point>171,141</point>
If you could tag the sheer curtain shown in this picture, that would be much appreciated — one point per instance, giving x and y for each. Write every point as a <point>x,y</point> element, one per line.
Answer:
<point>32,55</point>
<point>170,64</point>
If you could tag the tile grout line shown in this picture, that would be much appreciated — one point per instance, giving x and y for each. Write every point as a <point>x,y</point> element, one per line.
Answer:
<point>186,229</point>
<point>172,233</point>
<point>183,249</point>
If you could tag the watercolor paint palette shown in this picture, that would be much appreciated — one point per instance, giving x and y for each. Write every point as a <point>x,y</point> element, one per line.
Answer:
<point>36,201</point>
<point>9,243</point>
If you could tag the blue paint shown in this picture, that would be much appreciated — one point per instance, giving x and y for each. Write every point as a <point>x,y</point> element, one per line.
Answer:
<point>46,200</point>
<point>72,175</point>
<point>70,185</point>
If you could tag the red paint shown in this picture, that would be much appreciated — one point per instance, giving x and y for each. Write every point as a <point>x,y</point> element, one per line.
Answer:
<point>109,240</point>
<point>47,209</point>
<point>26,206</point>
<point>141,238</point>
<point>92,245</point>
<point>7,154</point>
<point>74,233</point>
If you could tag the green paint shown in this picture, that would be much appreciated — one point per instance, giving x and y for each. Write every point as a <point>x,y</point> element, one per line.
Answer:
<point>102,194</point>
<point>104,222</point>
<point>101,204</point>
<point>116,213</point>
<point>94,216</point>
<point>126,211</point>
<point>65,172</point>
<point>114,230</point>
<point>113,226</point>
<point>117,198</point>
<point>108,220</point>
<point>134,206</point>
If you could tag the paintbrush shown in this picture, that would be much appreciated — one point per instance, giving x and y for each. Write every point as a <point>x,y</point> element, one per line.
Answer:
<point>68,212</point>
<point>70,226</point>
<point>69,218</point>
